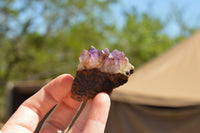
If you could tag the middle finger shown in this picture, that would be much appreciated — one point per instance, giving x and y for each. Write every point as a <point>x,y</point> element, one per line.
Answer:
<point>62,115</point>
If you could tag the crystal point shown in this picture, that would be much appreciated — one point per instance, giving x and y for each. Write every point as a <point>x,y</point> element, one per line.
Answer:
<point>114,62</point>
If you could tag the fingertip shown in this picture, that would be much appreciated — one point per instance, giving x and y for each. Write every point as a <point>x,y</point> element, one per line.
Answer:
<point>102,99</point>
<point>58,88</point>
<point>63,83</point>
<point>65,78</point>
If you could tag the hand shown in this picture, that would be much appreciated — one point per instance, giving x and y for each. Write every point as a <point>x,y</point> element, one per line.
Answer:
<point>92,119</point>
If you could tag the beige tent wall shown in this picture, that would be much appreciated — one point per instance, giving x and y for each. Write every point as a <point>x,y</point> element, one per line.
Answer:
<point>133,118</point>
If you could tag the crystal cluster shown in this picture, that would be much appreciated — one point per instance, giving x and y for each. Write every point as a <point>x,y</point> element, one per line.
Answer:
<point>114,62</point>
<point>100,71</point>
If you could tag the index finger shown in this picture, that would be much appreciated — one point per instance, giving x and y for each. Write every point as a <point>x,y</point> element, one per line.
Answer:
<point>29,114</point>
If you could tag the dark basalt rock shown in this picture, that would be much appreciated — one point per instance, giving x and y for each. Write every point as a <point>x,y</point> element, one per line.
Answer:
<point>88,83</point>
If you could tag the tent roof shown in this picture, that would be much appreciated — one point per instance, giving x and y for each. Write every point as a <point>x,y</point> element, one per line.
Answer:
<point>172,79</point>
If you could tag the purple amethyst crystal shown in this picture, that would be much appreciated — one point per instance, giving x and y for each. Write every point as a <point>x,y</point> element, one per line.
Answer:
<point>100,71</point>
<point>105,51</point>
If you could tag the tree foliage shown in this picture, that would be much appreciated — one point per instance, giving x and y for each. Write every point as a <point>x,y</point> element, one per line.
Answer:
<point>142,38</point>
<point>32,49</point>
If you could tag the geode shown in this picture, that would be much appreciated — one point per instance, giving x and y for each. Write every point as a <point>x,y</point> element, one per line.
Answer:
<point>100,71</point>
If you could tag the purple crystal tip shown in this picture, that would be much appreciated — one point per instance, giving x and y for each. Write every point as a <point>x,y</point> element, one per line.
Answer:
<point>114,62</point>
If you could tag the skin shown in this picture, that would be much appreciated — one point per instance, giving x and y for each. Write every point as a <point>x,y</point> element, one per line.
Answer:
<point>57,92</point>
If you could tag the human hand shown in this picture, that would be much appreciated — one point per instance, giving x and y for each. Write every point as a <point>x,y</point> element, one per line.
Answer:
<point>92,119</point>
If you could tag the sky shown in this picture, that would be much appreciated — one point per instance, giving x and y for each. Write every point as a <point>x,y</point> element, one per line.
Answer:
<point>162,9</point>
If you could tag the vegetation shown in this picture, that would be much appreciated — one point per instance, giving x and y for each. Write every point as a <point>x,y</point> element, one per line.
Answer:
<point>42,39</point>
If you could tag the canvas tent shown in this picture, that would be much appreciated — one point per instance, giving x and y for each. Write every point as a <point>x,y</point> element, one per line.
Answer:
<point>163,96</point>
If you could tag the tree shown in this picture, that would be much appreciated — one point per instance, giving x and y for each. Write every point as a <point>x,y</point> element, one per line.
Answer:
<point>142,38</point>
<point>67,26</point>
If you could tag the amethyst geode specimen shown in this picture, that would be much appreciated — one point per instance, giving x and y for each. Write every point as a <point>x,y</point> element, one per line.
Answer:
<point>100,71</point>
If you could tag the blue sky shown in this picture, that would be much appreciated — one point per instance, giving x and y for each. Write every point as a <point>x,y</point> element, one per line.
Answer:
<point>162,9</point>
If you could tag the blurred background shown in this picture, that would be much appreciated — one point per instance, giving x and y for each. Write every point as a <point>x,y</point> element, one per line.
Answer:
<point>40,40</point>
